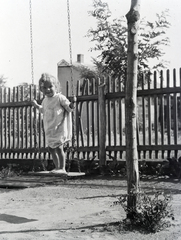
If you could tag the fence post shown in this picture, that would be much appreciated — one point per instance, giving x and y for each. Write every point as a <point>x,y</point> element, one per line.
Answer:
<point>102,125</point>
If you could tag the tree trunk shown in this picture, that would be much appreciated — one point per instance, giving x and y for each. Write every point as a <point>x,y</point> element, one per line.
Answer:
<point>131,108</point>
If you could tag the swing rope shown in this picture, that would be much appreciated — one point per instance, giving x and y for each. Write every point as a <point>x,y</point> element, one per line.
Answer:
<point>71,71</point>
<point>71,67</point>
<point>31,42</point>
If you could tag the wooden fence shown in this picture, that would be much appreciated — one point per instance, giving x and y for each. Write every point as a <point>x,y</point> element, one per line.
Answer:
<point>158,125</point>
<point>99,120</point>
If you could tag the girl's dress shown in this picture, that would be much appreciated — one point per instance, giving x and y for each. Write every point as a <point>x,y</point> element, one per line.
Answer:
<point>57,120</point>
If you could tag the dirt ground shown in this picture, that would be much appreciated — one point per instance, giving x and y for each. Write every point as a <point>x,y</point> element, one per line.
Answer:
<point>55,209</point>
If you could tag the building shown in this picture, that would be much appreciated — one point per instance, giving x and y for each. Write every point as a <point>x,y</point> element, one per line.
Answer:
<point>66,73</point>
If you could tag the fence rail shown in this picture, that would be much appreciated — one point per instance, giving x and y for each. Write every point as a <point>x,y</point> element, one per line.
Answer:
<point>99,120</point>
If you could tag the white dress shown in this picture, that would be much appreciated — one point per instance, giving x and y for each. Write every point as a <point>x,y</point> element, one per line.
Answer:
<point>57,120</point>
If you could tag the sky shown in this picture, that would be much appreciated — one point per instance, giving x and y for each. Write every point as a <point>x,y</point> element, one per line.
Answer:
<point>50,34</point>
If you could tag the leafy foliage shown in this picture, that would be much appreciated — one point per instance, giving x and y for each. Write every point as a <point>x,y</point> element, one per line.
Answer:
<point>110,39</point>
<point>171,167</point>
<point>2,81</point>
<point>152,211</point>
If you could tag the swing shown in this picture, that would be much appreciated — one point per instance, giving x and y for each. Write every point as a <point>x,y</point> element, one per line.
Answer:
<point>69,174</point>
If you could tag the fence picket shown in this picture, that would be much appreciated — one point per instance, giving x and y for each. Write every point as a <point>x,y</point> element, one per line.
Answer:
<point>149,121</point>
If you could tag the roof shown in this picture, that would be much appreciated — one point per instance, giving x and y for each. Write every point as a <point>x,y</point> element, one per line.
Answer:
<point>63,63</point>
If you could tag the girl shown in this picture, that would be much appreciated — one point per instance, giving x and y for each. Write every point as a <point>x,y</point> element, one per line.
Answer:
<point>56,109</point>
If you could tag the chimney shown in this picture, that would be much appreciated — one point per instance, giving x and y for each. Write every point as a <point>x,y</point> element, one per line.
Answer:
<point>80,58</point>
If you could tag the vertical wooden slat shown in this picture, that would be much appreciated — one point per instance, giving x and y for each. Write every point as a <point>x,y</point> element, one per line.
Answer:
<point>156,113</point>
<point>26,127</point>
<point>22,118</point>
<point>77,113</point>
<point>88,117</point>
<point>35,132</point>
<point>168,113</point>
<point>144,118</point>
<point>9,119</point>
<point>5,121</point>
<point>109,113</point>
<point>18,118</point>
<point>14,118</point>
<point>102,125</point>
<point>40,143</point>
<point>121,116</point>
<point>31,119</point>
<point>175,113</point>
<point>162,114</point>
<point>93,113</point>
<point>1,95</point>
<point>114,116</point>
<point>149,122</point>
<point>80,127</point>
<point>98,123</point>
<point>180,102</point>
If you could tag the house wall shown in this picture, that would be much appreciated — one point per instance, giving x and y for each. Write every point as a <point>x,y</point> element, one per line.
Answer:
<point>64,75</point>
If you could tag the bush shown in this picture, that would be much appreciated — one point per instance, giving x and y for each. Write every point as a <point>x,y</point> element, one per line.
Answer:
<point>152,211</point>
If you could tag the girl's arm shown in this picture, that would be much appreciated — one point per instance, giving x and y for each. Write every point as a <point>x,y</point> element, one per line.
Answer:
<point>73,101</point>
<point>66,103</point>
<point>39,107</point>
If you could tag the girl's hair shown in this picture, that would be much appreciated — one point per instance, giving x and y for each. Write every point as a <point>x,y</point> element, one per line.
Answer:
<point>45,77</point>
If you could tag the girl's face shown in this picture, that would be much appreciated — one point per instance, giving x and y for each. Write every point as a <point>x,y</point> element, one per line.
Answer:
<point>47,88</point>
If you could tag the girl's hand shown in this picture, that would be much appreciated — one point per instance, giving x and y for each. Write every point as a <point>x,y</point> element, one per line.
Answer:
<point>74,99</point>
<point>34,103</point>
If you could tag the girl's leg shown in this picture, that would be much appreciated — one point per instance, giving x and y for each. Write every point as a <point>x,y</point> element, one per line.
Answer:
<point>55,157</point>
<point>61,156</point>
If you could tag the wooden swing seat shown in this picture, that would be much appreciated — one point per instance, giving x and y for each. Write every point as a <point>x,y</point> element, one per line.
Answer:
<point>48,173</point>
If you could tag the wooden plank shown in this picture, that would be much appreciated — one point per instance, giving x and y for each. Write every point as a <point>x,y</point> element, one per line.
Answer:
<point>77,113</point>
<point>149,122</point>
<point>168,113</point>
<point>9,120</point>
<point>18,119</point>
<point>35,122</point>
<point>179,112</point>
<point>114,117</point>
<point>146,147</point>
<point>102,125</point>
<point>162,113</point>
<point>145,92</point>
<point>27,161</point>
<point>120,117</point>
<point>175,113</point>
<point>88,117</point>
<point>1,112</point>
<point>15,104</point>
<point>31,120</point>
<point>5,120</point>
<point>109,114</point>
<point>14,119</point>
<point>20,150</point>
<point>143,116</point>
<point>156,113</point>
<point>98,132</point>
<point>93,112</point>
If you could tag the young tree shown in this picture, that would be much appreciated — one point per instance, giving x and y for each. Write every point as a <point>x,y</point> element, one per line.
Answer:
<point>110,39</point>
<point>133,17</point>
<point>2,81</point>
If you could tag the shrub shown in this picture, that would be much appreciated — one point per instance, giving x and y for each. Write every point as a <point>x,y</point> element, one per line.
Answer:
<point>152,211</point>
